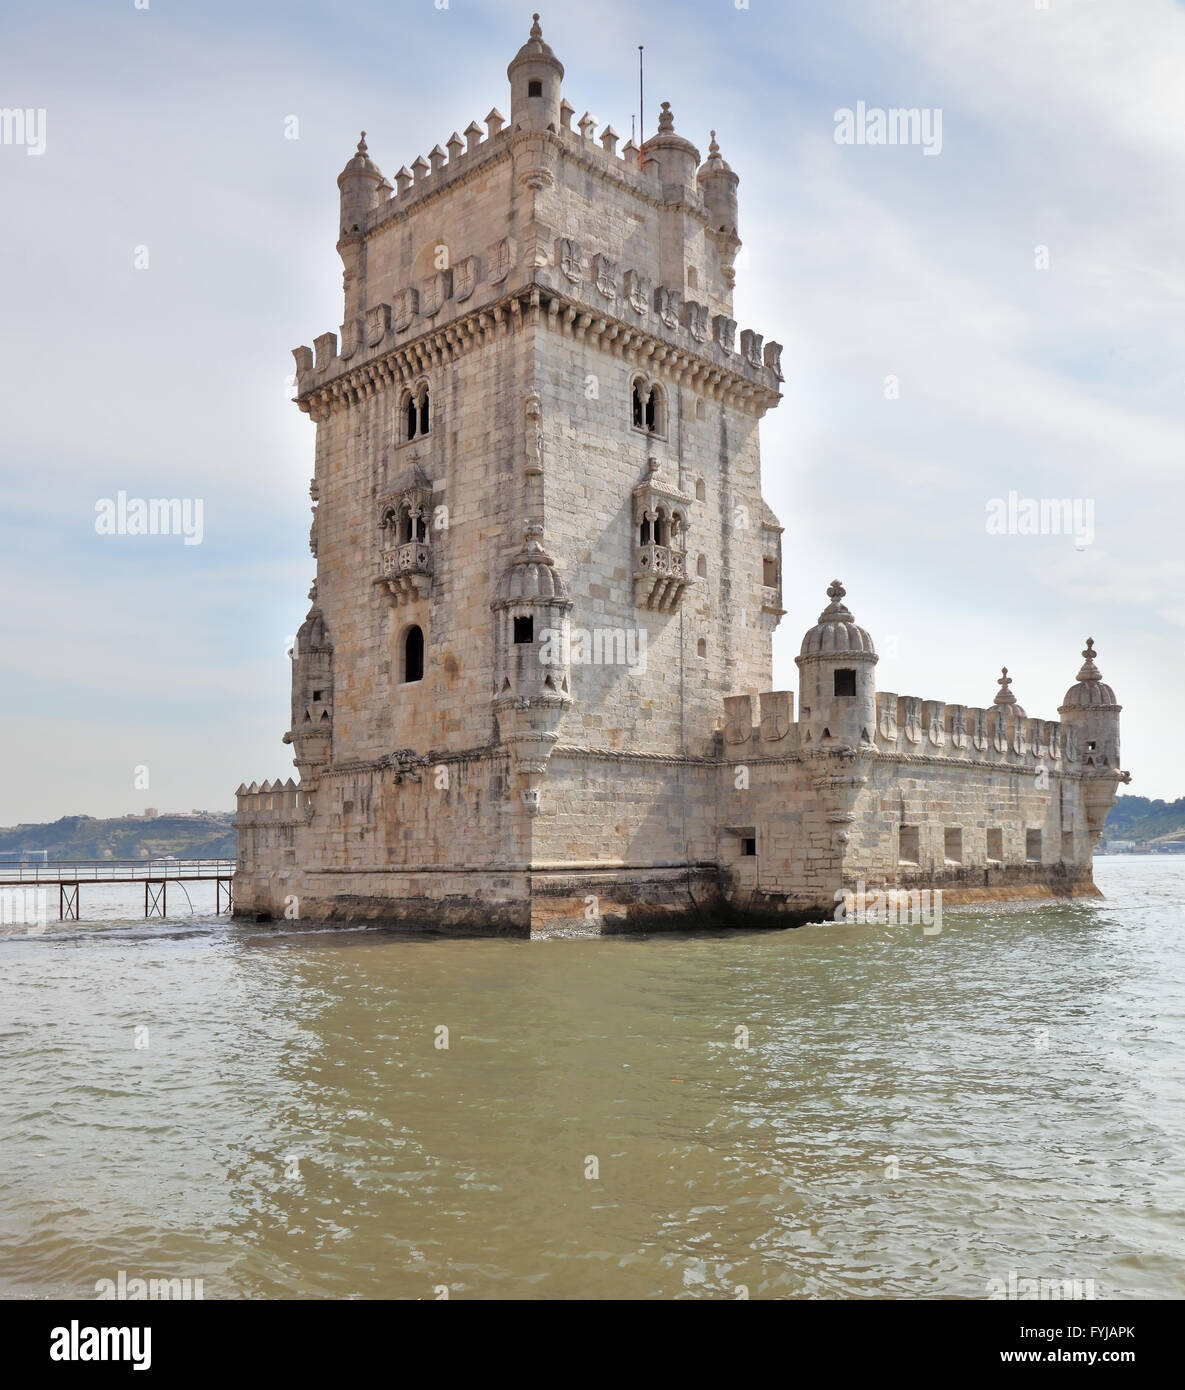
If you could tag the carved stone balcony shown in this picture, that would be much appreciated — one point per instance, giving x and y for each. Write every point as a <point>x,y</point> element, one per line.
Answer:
<point>660,576</point>
<point>407,571</point>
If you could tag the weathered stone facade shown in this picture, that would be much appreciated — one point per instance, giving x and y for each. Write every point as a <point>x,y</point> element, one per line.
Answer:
<point>527,691</point>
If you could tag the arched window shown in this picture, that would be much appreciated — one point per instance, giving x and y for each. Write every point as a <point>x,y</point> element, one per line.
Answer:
<point>405,523</point>
<point>413,654</point>
<point>701,648</point>
<point>416,414</point>
<point>648,407</point>
<point>701,567</point>
<point>662,528</point>
<point>701,492</point>
<point>639,405</point>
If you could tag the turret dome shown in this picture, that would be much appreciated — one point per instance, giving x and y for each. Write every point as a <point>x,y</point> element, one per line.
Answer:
<point>535,50</point>
<point>836,633</point>
<point>531,577</point>
<point>1090,692</point>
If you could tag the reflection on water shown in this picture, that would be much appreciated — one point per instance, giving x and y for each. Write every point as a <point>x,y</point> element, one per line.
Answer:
<point>913,1115</point>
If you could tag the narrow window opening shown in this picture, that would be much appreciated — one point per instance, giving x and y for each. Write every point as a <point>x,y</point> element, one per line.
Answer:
<point>424,413</point>
<point>995,845</point>
<point>907,844</point>
<point>652,412</point>
<point>845,682</point>
<point>692,278</point>
<point>638,407</point>
<point>1033,846</point>
<point>748,846</point>
<point>953,845</point>
<point>701,492</point>
<point>701,567</point>
<point>413,655</point>
<point>701,648</point>
<point>524,630</point>
<point>534,89</point>
<point>316,694</point>
<point>769,577</point>
<point>645,532</point>
<point>410,428</point>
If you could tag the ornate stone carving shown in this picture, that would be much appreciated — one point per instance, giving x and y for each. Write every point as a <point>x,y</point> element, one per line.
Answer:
<point>724,333</point>
<point>407,303</point>
<point>958,726</point>
<point>464,278</point>
<point>887,716</point>
<point>979,734</point>
<point>668,304</point>
<point>326,349</point>
<point>697,320</point>
<point>638,289</point>
<point>773,359</point>
<point>567,257</point>
<point>378,321</point>
<point>436,289</point>
<point>605,276</point>
<point>349,340</point>
<point>751,347</point>
<point>534,434</point>
<point>499,258</point>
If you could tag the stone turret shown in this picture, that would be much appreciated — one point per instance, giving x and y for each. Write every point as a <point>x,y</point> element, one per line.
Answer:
<point>311,734</point>
<point>837,681</point>
<point>532,672</point>
<point>1090,709</point>
<point>359,183</point>
<point>718,187</point>
<point>535,75</point>
<point>674,158</point>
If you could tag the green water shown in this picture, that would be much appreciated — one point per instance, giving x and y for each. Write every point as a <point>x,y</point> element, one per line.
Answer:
<point>912,1116</point>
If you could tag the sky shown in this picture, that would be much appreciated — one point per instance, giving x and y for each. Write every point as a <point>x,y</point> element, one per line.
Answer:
<point>1000,316</point>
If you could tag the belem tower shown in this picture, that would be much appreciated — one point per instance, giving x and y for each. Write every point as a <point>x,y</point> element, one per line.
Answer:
<point>531,691</point>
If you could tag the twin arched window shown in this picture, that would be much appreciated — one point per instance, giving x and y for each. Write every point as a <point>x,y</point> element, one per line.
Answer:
<point>648,407</point>
<point>416,413</point>
<point>661,528</point>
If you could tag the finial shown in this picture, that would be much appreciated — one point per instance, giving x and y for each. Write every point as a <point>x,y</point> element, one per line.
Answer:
<point>713,147</point>
<point>536,31</point>
<point>1090,672</point>
<point>836,611</point>
<point>666,120</point>
<point>1004,695</point>
<point>362,145</point>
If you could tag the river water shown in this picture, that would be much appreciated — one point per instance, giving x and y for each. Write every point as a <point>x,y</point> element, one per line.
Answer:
<point>833,1111</point>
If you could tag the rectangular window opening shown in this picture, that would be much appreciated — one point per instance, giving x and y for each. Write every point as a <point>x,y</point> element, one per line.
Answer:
<point>845,682</point>
<point>524,630</point>
<point>749,845</point>
<point>907,844</point>
<point>995,845</point>
<point>769,572</point>
<point>953,845</point>
<point>1033,846</point>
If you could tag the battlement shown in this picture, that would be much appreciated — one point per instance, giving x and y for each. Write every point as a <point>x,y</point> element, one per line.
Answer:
<point>273,803</point>
<point>912,727</point>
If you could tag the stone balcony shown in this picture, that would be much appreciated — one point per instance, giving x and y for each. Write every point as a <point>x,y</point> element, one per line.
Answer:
<point>406,571</point>
<point>660,576</point>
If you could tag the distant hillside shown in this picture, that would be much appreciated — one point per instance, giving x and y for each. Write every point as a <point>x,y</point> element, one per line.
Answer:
<point>204,835</point>
<point>1137,818</point>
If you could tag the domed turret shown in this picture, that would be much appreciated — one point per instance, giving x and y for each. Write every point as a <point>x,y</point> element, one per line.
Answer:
<point>676,158</point>
<point>535,75</point>
<point>718,187</point>
<point>837,684</point>
<point>359,184</point>
<point>1091,713</point>
<point>1004,700</point>
<point>311,734</point>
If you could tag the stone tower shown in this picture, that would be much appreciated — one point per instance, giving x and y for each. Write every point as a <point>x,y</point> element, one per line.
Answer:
<point>533,685</point>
